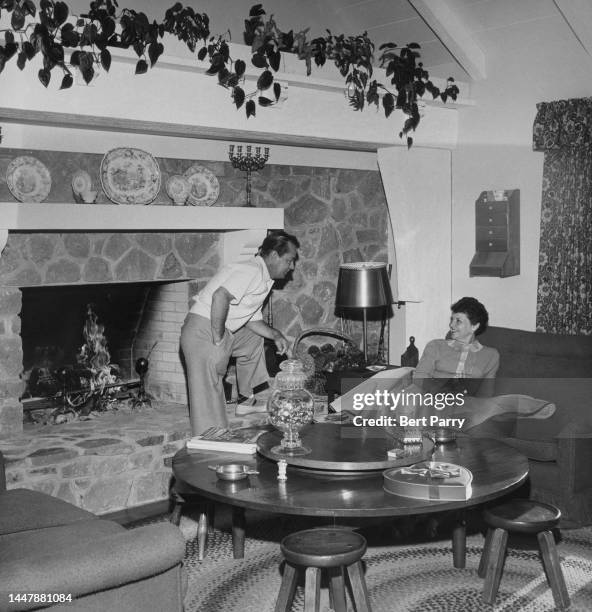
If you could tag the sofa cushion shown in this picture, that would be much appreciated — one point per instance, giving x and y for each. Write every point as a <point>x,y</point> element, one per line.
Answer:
<point>526,354</point>
<point>537,450</point>
<point>22,510</point>
<point>39,542</point>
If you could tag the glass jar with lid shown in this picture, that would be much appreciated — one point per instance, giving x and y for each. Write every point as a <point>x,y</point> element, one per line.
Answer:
<point>290,407</point>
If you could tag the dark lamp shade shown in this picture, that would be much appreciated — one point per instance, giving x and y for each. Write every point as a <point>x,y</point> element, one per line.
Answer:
<point>363,284</point>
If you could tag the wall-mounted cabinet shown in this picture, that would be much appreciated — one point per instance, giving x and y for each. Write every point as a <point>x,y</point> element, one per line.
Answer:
<point>497,234</point>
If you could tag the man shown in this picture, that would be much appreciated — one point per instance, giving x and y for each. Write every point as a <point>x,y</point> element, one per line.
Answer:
<point>225,321</point>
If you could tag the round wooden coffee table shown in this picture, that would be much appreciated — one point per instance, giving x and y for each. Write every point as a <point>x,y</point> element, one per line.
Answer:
<point>497,469</point>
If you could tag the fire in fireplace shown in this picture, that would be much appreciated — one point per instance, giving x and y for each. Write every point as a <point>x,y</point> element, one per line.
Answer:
<point>80,337</point>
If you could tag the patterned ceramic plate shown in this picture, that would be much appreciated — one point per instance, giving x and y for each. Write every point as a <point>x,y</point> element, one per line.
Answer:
<point>205,187</point>
<point>81,182</point>
<point>178,188</point>
<point>130,176</point>
<point>28,179</point>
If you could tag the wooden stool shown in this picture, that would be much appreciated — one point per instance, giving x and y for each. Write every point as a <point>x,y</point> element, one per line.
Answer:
<point>521,516</point>
<point>331,548</point>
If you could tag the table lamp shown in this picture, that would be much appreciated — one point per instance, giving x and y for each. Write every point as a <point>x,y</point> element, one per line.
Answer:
<point>363,284</point>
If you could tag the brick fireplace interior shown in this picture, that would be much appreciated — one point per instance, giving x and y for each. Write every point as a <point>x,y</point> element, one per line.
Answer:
<point>139,320</point>
<point>132,319</point>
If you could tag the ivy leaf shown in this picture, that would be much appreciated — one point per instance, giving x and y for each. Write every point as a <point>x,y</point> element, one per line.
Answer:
<point>69,36</point>
<point>44,76</point>
<point>75,58</point>
<point>258,60</point>
<point>414,46</point>
<point>239,68</point>
<point>409,142</point>
<point>9,37</point>
<point>287,40</point>
<point>277,90</point>
<point>106,59</point>
<point>29,49</point>
<point>17,21</point>
<point>141,67</point>
<point>155,50</point>
<point>223,76</point>
<point>10,50</point>
<point>250,108</point>
<point>60,12</point>
<point>202,54</point>
<point>274,58</point>
<point>88,74</point>
<point>232,80</point>
<point>30,7</point>
<point>263,101</point>
<point>21,60</point>
<point>265,80</point>
<point>216,64</point>
<point>256,10</point>
<point>67,81</point>
<point>238,95</point>
<point>388,103</point>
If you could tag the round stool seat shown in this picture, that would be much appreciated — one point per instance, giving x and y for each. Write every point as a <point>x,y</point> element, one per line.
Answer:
<point>323,547</point>
<point>523,516</point>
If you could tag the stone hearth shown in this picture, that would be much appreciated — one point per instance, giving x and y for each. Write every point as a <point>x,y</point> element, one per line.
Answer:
<point>115,461</point>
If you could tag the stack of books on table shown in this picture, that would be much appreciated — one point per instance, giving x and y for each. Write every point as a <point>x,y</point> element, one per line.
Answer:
<point>243,440</point>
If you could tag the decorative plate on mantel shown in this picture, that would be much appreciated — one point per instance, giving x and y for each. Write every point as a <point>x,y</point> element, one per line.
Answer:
<point>205,187</point>
<point>28,179</point>
<point>130,176</point>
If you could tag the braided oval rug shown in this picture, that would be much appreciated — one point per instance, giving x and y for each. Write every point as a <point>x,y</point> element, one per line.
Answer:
<point>407,576</point>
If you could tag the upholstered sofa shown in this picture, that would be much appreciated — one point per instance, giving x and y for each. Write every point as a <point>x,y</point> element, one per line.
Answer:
<point>556,368</point>
<point>48,546</point>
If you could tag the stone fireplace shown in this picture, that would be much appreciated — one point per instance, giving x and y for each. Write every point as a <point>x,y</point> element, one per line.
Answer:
<point>107,464</point>
<point>69,268</point>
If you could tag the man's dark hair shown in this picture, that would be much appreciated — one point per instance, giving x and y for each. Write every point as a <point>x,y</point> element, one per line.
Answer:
<point>277,241</point>
<point>475,311</point>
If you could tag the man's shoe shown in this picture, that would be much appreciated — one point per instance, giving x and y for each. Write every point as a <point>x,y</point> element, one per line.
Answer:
<point>249,405</point>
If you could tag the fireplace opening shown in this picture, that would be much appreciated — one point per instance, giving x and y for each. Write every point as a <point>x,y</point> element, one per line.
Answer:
<point>69,332</point>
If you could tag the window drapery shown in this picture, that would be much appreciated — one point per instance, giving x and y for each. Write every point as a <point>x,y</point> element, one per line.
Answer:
<point>563,130</point>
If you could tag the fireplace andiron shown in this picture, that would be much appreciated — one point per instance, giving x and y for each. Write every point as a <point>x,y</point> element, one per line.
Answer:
<point>143,398</point>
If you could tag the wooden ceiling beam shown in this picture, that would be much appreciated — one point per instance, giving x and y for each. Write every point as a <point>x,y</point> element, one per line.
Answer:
<point>455,36</point>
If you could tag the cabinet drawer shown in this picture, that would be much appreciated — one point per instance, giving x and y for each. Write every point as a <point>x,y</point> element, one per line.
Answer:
<point>491,217</point>
<point>492,207</point>
<point>492,238</point>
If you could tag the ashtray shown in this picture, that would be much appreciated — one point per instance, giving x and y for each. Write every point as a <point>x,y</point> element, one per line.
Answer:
<point>232,471</point>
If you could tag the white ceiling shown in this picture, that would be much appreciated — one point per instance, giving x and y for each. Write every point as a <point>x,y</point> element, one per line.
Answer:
<point>455,35</point>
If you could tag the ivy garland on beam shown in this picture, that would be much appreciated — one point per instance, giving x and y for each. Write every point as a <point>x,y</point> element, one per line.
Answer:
<point>52,29</point>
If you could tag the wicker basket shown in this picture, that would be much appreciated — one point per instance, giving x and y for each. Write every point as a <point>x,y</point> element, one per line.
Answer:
<point>317,377</point>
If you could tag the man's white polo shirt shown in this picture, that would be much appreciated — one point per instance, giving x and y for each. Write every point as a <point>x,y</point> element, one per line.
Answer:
<point>249,282</point>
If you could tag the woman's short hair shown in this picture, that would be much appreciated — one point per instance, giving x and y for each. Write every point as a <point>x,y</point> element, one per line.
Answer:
<point>277,241</point>
<point>475,311</point>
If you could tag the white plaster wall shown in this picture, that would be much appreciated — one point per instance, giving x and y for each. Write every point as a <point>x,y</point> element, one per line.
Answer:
<point>532,62</point>
<point>417,187</point>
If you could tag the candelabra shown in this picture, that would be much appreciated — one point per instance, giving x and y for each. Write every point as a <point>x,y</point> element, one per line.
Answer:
<point>247,163</point>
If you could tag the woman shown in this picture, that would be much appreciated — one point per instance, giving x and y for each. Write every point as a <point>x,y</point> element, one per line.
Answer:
<point>454,380</point>
<point>447,364</point>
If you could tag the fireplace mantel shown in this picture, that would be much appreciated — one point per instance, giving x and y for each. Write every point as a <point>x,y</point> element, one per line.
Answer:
<point>48,217</point>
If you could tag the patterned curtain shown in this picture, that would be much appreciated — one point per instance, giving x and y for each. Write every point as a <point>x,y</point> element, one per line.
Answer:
<point>563,130</point>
